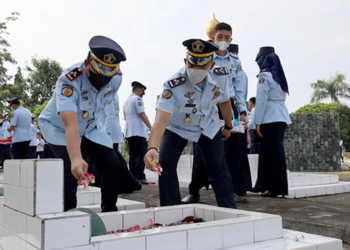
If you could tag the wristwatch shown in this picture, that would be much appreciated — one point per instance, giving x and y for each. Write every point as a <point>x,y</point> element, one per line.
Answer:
<point>228,127</point>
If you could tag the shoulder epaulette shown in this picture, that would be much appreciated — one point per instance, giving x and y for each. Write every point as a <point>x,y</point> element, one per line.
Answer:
<point>177,82</point>
<point>234,55</point>
<point>74,74</point>
<point>221,71</point>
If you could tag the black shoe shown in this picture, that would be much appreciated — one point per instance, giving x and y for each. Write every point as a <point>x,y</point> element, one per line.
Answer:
<point>257,190</point>
<point>146,182</point>
<point>243,194</point>
<point>269,194</point>
<point>239,199</point>
<point>190,199</point>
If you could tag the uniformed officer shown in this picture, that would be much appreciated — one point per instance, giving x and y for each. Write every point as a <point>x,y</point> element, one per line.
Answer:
<point>187,111</point>
<point>109,118</point>
<point>70,122</point>
<point>136,130</point>
<point>21,126</point>
<point>5,140</point>
<point>235,146</point>
<point>255,140</point>
<point>271,119</point>
<point>33,143</point>
<point>239,164</point>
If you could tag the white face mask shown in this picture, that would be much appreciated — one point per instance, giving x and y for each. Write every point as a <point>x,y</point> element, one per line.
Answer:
<point>197,75</point>
<point>222,45</point>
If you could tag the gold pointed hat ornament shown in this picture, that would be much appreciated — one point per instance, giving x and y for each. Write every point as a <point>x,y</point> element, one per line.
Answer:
<point>211,26</point>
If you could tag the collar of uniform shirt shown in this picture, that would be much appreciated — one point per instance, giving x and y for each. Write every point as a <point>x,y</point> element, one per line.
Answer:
<point>216,55</point>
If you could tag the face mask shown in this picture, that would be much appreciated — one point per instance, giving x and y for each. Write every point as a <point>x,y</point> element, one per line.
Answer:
<point>196,75</point>
<point>98,80</point>
<point>222,45</point>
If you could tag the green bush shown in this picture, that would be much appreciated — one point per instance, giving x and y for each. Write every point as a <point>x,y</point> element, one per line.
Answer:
<point>342,110</point>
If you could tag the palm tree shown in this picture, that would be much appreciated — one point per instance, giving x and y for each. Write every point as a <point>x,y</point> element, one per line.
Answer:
<point>333,88</point>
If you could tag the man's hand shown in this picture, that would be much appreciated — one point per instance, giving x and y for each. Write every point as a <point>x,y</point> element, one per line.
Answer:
<point>258,131</point>
<point>151,156</point>
<point>244,119</point>
<point>79,167</point>
<point>225,134</point>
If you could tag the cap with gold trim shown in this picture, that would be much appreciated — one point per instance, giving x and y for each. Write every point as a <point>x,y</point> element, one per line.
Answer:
<point>105,55</point>
<point>199,52</point>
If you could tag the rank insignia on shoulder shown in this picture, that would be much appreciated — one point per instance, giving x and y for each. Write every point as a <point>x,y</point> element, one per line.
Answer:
<point>221,71</point>
<point>74,74</point>
<point>177,82</point>
<point>167,94</point>
<point>234,55</point>
<point>261,80</point>
<point>67,90</point>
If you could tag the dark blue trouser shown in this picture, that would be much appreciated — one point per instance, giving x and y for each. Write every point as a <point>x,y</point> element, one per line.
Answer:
<point>272,168</point>
<point>111,166</point>
<point>137,150</point>
<point>212,152</point>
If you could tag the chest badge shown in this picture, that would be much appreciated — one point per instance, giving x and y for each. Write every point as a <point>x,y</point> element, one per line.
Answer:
<point>216,95</point>
<point>216,88</point>
<point>85,114</point>
<point>187,120</point>
<point>194,111</point>
<point>189,95</point>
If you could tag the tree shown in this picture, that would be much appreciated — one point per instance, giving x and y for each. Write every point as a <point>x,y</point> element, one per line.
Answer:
<point>19,88</point>
<point>40,108</point>
<point>333,88</point>
<point>42,77</point>
<point>5,55</point>
<point>342,110</point>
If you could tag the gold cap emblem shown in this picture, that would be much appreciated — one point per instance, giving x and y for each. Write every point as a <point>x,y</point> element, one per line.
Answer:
<point>197,46</point>
<point>109,58</point>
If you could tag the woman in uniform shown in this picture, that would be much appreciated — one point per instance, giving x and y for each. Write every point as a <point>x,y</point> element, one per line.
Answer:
<point>271,119</point>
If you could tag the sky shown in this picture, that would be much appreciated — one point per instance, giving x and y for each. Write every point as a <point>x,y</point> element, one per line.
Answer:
<point>312,38</point>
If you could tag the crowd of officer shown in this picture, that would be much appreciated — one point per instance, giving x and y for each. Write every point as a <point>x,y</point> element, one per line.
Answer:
<point>201,103</point>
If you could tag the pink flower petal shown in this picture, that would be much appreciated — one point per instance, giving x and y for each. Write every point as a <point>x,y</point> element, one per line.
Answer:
<point>150,184</point>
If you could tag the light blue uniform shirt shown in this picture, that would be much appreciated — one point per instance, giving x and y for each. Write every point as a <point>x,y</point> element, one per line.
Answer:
<point>84,100</point>
<point>4,134</point>
<point>110,119</point>
<point>236,85</point>
<point>22,120</point>
<point>270,101</point>
<point>34,131</point>
<point>251,124</point>
<point>186,101</point>
<point>134,125</point>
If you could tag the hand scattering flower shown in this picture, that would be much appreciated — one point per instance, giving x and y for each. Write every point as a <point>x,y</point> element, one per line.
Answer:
<point>157,167</point>
<point>90,178</point>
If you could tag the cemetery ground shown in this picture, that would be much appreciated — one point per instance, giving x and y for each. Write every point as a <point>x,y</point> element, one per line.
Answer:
<point>323,215</point>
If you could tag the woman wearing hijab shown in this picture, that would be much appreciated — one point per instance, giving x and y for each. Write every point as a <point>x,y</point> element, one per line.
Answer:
<point>271,119</point>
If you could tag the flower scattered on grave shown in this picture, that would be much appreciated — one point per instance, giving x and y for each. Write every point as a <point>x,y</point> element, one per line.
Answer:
<point>150,222</point>
<point>151,225</point>
<point>157,167</point>
<point>90,178</point>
